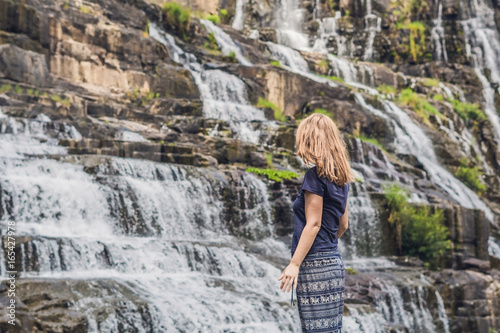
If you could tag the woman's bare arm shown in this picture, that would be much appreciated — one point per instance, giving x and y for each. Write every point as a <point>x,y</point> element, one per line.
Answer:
<point>313,212</point>
<point>344,223</point>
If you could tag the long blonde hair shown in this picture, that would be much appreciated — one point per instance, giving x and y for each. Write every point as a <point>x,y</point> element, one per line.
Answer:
<point>319,142</point>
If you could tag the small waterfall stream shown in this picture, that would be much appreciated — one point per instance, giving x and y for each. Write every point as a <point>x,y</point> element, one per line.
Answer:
<point>223,94</point>
<point>438,35</point>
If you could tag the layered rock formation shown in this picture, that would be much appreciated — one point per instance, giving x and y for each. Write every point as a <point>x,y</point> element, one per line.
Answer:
<point>124,144</point>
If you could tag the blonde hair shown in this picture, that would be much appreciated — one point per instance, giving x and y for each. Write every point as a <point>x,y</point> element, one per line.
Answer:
<point>319,142</point>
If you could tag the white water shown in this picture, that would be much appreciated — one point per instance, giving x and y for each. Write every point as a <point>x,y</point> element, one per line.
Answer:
<point>226,43</point>
<point>223,94</point>
<point>438,35</point>
<point>373,25</point>
<point>239,14</point>
<point>483,47</point>
<point>289,19</point>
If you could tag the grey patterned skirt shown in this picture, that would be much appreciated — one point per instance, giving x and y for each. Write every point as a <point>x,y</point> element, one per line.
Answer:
<point>320,292</point>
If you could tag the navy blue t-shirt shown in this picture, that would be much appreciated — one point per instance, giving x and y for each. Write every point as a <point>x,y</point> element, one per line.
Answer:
<point>334,203</point>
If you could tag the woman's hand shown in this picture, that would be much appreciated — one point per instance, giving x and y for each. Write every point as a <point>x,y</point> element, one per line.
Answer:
<point>289,277</point>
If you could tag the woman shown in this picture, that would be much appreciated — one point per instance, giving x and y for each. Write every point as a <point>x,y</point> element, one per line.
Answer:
<point>316,271</point>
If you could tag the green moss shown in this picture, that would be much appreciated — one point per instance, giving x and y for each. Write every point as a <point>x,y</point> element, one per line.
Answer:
<point>421,106</point>
<point>333,78</point>
<point>178,17</point>
<point>373,141</point>
<point>386,89</point>
<point>211,43</point>
<point>417,38</point>
<point>85,9</point>
<point>468,111</point>
<point>438,97</point>
<point>278,113</point>
<point>55,98</point>
<point>324,65</point>
<point>18,90</point>
<point>269,159</point>
<point>276,175</point>
<point>471,176</point>
<point>275,63</point>
<point>431,83</point>
<point>419,232</point>
<point>214,18</point>
<point>351,270</point>
<point>5,88</point>
<point>325,112</point>
<point>359,180</point>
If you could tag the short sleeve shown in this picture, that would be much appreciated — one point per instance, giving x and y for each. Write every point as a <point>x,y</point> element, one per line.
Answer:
<point>312,183</point>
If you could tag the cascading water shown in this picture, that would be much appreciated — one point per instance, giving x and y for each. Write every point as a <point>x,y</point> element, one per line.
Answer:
<point>289,19</point>
<point>483,47</point>
<point>223,94</point>
<point>438,35</point>
<point>373,25</point>
<point>225,42</point>
<point>155,228</point>
<point>239,14</point>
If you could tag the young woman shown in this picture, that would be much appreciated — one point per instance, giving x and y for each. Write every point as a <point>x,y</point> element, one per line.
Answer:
<point>316,270</point>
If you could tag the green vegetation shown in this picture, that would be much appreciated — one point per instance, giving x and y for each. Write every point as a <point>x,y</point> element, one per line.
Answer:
<point>333,78</point>
<point>223,15</point>
<point>269,159</point>
<point>438,97</point>
<point>214,18</point>
<point>275,63</point>
<point>230,58</point>
<point>141,98</point>
<point>211,45</point>
<point>63,101</point>
<point>351,270</point>
<point>359,180</point>
<point>145,33</point>
<point>18,90</point>
<point>471,176</point>
<point>5,88</point>
<point>373,141</point>
<point>468,111</point>
<point>324,65</point>
<point>417,38</point>
<point>276,175</point>
<point>278,113</point>
<point>325,112</point>
<point>85,9</point>
<point>177,17</point>
<point>419,232</point>
<point>386,89</point>
<point>421,106</point>
<point>431,83</point>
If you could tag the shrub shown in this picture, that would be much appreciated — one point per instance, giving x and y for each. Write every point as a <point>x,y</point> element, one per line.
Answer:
<point>214,18</point>
<point>471,176</point>
<point>468,111</point>
<point>386,89</point>
<point>418,103</point>
<point>223,14</point>
<point>431,82</point>
<point>438,97</point>
<point>276,175</point>
<point>211,44</point>
<point>275,63</point>
<point>177,17</point>
<point>419,232</point>
<point>278,113</point>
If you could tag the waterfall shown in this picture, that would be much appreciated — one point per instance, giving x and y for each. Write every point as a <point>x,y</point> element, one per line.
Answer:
<point>373,24</point>
<point>443,317</point>
<point>289,19</point>
<point>239,14</point>
<point>438,35</point>
<point>225,42</point>
<point>155,232</point>
<point>223,95</point>
<point>483,47</point>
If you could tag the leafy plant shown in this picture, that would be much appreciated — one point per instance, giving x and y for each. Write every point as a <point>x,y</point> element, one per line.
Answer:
<point>177,17</point>
<point>214,18</point>
<point>471,176</point>
<point>419,231</point>
<point>278,113</point>
<point>211,44</point>
<point>468,111</point>
<point>421,106</point>
<point>276,175</point>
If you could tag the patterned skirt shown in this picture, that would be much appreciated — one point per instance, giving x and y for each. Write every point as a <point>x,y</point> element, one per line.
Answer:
<point>320,292</point>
